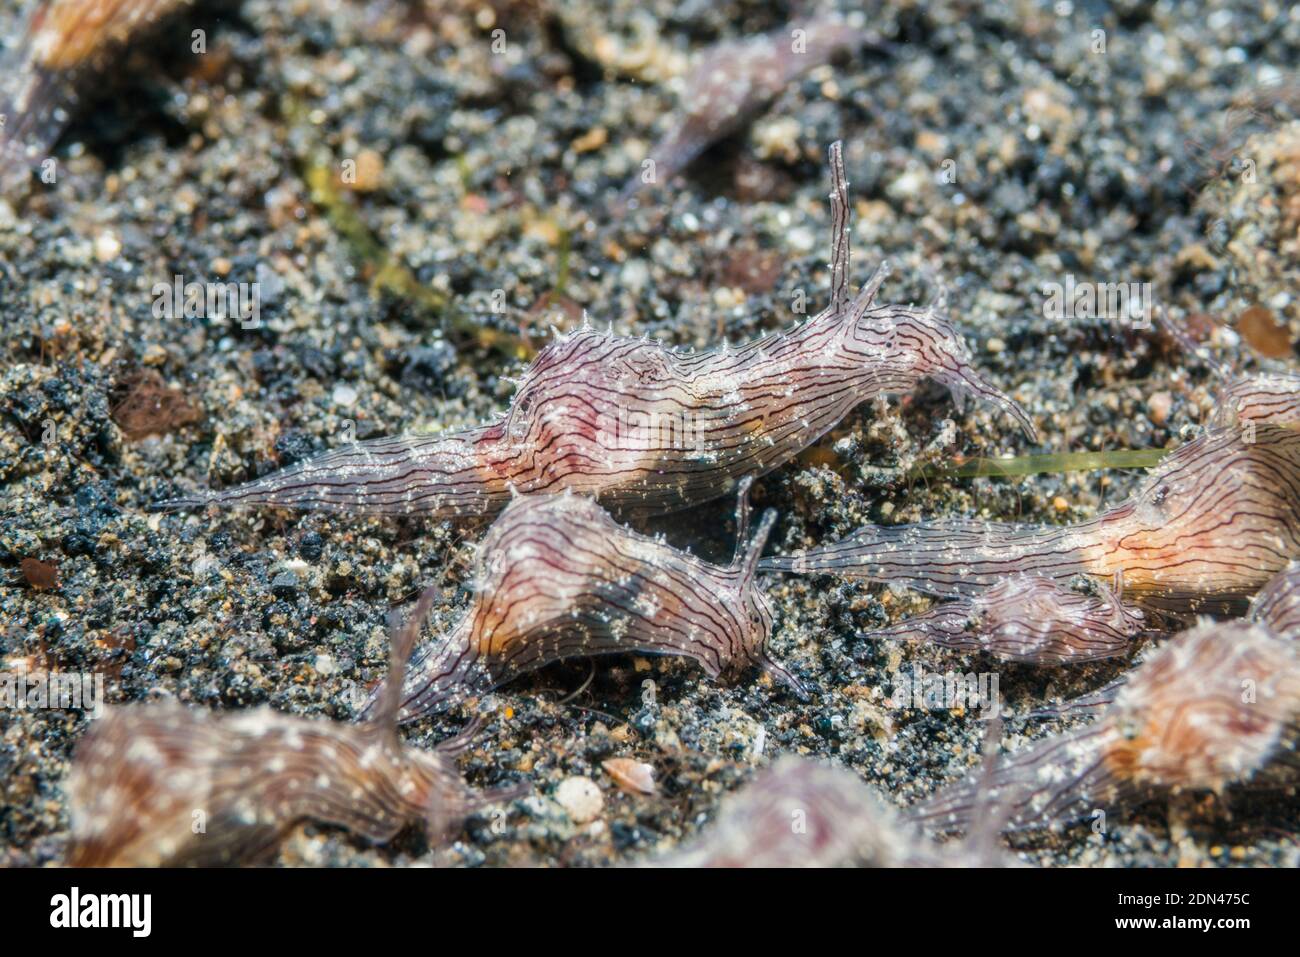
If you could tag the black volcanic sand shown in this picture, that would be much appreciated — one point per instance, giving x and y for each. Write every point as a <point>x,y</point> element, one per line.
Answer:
<point>486,172</point>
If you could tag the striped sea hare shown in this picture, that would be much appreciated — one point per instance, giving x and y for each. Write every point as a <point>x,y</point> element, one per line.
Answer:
<point>643,427</point>
<point>1028,618</point>
<point>1209,527</point>
<point>556,577</point>
<point>1094,702</point>
<point>1260,397</point>
<point>1215,706</point>
<point>804,813</point>
<point>1268,397</point>
<point>1277,606</point>
<point>734,81</point>
<point>161,784</point>
<point>63,42</point>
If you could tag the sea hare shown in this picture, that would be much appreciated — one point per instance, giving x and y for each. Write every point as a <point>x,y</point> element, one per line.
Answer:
<point>734,81</point>
<point>1213,707</point>
<point>1209,527</point>
<point>556,577</point>
<point>643,427</point>
<point>162,784</point>
<point>1031,619</point>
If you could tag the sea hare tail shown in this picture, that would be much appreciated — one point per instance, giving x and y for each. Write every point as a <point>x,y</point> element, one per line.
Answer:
<point>951,558</point>
<point>408,474</point>
<point>1057,781</point>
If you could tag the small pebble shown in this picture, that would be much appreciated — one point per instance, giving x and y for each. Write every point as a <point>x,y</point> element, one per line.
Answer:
<point>1263,333</point>
<point>580,798</point>
<point>633,777</point>
<point>107,246</point>
<point>310,546</point>
<point>1158,407</point>
<point>284,585</point>
<point>593,139</point>
<point>369,172</point>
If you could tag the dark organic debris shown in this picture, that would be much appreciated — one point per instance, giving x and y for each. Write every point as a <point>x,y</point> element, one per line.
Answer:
<point>148,406</point>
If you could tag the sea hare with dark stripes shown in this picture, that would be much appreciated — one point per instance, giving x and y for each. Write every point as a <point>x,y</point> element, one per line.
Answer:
<point>643,427</point>
<point>556,577</point>
<point>162,784</point>
<point>1266,397</point>
<point>1030,619</point>
<point>1277,606</point>
<point>1209,527</point>
<point>1217,705</point>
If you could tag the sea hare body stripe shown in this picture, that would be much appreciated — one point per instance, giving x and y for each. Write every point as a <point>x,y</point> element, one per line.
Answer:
<point>803,813</point>
<point>1270,397</point>
<point>144,775</point>
<point>1028,618</point>
<point>556,577</point>
<point>642,427</point>
<point>1094,703</point>
<point>462,474</point>
<point>732,83</point>
<point>64,41</point>
<point>1215,706</point>
<point>1277,606</point>
<point>1211,524</point>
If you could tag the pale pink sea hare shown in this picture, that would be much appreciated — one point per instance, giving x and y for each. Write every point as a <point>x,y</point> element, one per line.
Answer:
<point>643,427</point>
<point>732,82</point>
<point>163,784</point>
<point>1208,528</point>
<point>1216,706</point>
<point>556,577</point>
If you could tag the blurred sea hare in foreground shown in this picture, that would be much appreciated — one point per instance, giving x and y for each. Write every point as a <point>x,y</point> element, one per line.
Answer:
<point>64,42</point>
<point>643,427</point>
<point>1217,705</point>
<point>803,813</point>
<point>1276,606</point>
<point>161,784</point>
<point>556,577</point>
